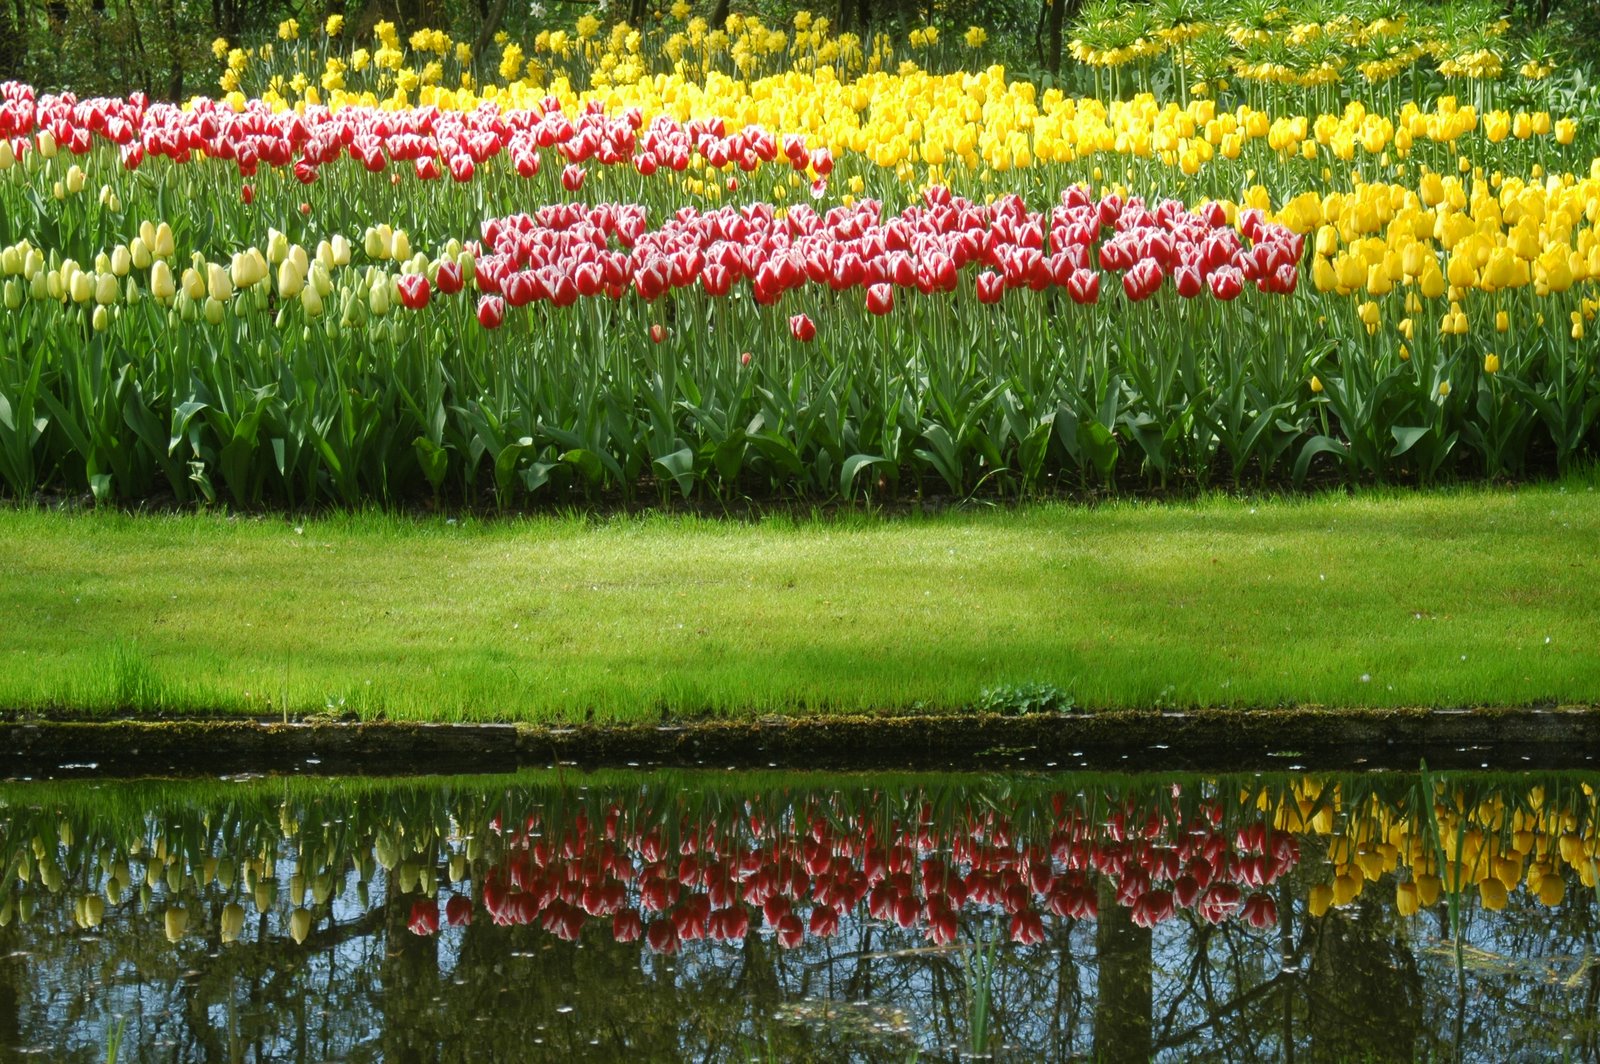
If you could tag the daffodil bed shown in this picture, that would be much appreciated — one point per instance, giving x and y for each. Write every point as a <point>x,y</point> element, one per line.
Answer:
<point>750,262</point>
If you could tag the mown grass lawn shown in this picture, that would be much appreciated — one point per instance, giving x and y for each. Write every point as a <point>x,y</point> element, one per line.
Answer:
<point>1446,598</point>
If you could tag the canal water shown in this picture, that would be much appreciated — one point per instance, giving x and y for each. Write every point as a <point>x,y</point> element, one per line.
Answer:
<point>717,916</point>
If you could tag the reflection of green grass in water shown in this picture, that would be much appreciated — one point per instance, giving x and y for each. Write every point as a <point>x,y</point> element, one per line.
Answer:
<point>1026,800</point>
<point>114,1040</point>
<point>978,963</point>
<point>1435,598</point>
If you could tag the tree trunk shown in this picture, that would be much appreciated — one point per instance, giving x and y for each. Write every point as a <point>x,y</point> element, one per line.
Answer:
<point>13,47</point>
<point>1058,10</point>
<point>719,14</point>
<point>1123,1024</point>
<point>486,32</point>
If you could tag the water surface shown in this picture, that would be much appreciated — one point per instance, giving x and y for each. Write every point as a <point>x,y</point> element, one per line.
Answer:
<point>559,915</point>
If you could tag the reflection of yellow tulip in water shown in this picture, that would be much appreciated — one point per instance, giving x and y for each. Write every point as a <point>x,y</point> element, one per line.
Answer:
<point>176,920</point>
<point>1493,846</point>
<point>300,924</point>
<point>232,921</point>
<point>89,910</point>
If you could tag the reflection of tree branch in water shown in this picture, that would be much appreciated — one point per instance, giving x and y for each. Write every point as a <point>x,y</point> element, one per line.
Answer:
<point>1217,1013</point>
<point>1196,963</point>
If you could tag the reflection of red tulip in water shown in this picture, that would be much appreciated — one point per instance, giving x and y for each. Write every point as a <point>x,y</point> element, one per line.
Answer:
<point>458,910</point>
<point>424,916</point>
<point>715,881</point>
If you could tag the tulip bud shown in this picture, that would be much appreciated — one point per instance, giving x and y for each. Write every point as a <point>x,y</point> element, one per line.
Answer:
<point>213,311</point>
<point>161,284</point>
<point>162,246</point>
<point>47,144</point>
<point>55,285</point>
<point>378,298</point>
<point>105,289</point>
<point>139,254</point>
<point>301,260</point>
<point>58,191</point>
<point>290,280</point>
<point>11,261</point>
<point>375,244</point>
<point>218,285</point>
<point>352,310</point>
<point>341,250</point>
<point>13,293</point>
<point>7,157</point>
<point>491,311</point>
<point>321,280</point>
<point>147,233</point>
<point>75,179</point>
<point>100,319</point>
<point>400,246</point>
<point>80,289</point>
<point>277,247</point>
<point>32,263</point>
<point>130,292</point>
<point>194,284</point>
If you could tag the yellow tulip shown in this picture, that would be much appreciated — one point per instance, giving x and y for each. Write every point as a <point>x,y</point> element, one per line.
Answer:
<point>218,285</point>
<point>290,279</point>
